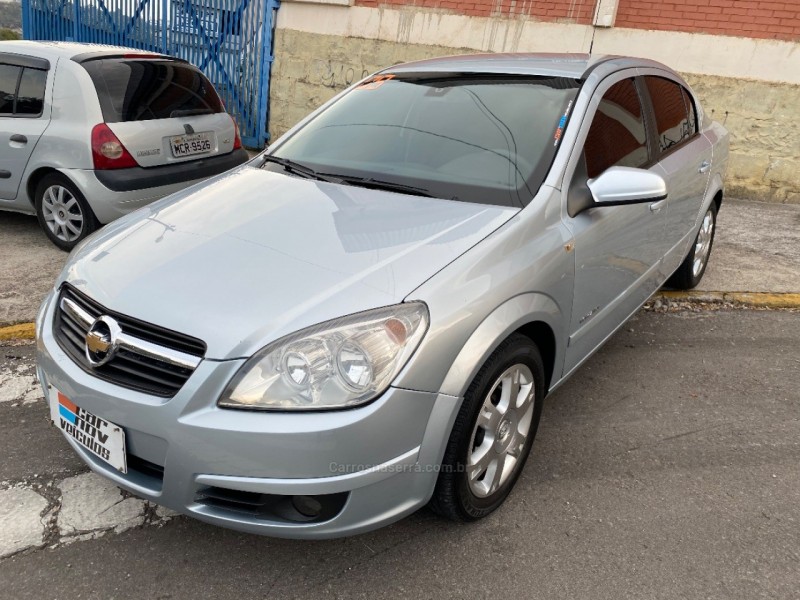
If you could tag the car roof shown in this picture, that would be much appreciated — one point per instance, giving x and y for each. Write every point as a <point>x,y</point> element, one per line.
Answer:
<point>53,50</point>
<point>572,65</point>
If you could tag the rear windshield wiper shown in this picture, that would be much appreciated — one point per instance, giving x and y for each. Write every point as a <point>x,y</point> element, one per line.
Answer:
<point>377,184</point>
<point>299,169</point>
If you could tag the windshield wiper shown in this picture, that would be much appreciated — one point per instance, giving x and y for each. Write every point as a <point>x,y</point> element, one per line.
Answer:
<point>377,184</point>
<point>367,182</point>
<point>299,169</point>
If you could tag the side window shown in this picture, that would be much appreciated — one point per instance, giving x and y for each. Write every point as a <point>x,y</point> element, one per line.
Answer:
<point>9,75</point>
<point>617,134</point>
<point>21,90</point>
<point>690,109</point>
<point>675,117</point>
<point>30,96</point>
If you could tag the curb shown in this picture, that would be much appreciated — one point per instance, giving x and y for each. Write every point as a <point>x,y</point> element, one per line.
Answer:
<point>754,299</point>
<point>26,331</point>
<point>20,331</point>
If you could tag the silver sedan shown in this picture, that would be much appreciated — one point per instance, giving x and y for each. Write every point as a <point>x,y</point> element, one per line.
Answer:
<point>367,317</point>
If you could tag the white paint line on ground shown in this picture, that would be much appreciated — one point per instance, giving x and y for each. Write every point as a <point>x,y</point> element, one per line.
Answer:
<point>19,384</point>
<point>90,507</point>
<point>21,524</point>
<point>90,503</point>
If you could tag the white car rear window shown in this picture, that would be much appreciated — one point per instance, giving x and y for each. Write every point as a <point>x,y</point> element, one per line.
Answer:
<point>148,89</point>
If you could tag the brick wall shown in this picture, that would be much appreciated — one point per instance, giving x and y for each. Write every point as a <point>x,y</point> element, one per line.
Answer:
<point>569,11</point>
<point>744,18</point>
<point>767,19</point>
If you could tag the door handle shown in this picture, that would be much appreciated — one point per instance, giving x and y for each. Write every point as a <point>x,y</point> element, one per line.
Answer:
<point>18,138</point>
<point>704,166</point>
<point>5,174</point>
<point>657,206</point>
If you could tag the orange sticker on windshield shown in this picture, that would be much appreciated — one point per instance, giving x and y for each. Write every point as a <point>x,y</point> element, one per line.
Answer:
<point>375,82</point>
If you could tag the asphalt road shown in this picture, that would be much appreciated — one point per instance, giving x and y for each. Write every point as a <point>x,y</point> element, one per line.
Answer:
<point>666,468</point>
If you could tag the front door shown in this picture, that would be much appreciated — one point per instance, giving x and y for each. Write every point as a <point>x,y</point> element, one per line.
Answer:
<point>618,249</point>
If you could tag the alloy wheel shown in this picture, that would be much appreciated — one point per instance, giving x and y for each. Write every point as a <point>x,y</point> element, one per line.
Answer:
<point>501,431</point>
<point>702,245</point>
<point>62,213</point>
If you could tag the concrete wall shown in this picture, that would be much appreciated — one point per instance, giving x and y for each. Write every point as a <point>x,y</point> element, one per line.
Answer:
<point>764,121</point>
<point>320,50</point>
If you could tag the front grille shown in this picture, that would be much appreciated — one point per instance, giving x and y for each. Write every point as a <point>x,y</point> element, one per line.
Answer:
<point>152,359</point>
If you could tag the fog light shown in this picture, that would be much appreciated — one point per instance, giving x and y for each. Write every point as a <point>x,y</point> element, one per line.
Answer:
<point>307,506</point>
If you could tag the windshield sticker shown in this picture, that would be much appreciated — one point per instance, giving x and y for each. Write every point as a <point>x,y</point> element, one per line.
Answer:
<point>375,82</point>
<point>561,123</point>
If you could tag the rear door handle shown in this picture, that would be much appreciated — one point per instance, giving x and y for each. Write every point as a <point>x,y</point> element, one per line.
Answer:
<point>19,138</point>
<point>705,166</point>
<point>5,174</point>
<point>657,206</point>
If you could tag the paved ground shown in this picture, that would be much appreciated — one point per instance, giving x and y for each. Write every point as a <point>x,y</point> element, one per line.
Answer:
<point>666,468</point>
<point>757,249</point>
<point>30,264</point>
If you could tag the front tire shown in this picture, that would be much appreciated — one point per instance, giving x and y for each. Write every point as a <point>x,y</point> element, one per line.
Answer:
<point>694,265</point>
<point>63,213</point>
<point>493,433</point>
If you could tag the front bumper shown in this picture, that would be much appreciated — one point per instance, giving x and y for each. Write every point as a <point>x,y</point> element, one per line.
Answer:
<point>380,459</point>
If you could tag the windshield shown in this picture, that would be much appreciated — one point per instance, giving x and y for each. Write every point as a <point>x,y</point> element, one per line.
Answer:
<point>147,89</point>
<point>477,138</point>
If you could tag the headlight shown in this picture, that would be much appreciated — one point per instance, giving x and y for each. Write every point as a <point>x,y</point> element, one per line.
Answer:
<point>338,364</point>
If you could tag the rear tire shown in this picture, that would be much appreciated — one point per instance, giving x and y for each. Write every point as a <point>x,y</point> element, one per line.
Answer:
<point>493,433</point>
<point>64,215</point>
<point>691,271</point>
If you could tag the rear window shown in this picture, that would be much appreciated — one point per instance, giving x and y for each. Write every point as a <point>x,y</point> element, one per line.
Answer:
<point>144,90</point>
<point>674,111</point>
<point>30,94</point>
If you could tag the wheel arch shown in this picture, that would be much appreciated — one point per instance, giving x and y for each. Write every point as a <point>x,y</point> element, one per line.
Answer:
<point>33,181</point>
<point>715,193</point>
<point>535,315</point>
<point>545,339</point>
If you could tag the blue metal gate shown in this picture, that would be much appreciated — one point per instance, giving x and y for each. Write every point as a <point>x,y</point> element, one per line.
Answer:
<point>229,40</point>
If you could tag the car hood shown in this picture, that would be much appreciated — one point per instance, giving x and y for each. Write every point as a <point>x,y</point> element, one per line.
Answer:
<point>253,255</point>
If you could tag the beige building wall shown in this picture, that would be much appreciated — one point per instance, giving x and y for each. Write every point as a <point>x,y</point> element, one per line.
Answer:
<point>752,86</point>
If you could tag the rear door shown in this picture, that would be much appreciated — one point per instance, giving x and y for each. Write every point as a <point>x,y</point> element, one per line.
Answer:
<point>24,116</point>
<point>684,154</point>
<point>163,111</point>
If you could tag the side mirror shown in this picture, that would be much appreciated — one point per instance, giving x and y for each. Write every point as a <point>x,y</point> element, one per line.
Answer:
<point>626,185</point>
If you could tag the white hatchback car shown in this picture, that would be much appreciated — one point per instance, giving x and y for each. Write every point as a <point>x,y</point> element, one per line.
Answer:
<point>89,133</point>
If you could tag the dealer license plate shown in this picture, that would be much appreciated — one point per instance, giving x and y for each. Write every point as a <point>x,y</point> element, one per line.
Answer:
<point>98,436</point>
<point>189,145</point>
